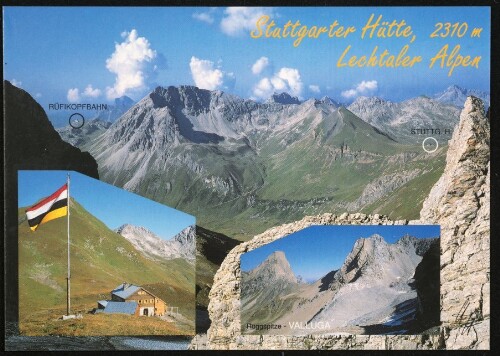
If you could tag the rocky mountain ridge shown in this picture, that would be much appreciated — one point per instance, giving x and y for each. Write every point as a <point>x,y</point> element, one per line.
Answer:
<point>216,155</point>
<point>182,245</point>
<point>283,98</point>
<point>457,96</point>
<point>78,136</point>
<point>398,119</point>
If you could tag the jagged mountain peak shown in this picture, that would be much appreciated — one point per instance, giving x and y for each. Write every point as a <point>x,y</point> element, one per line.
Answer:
<point>186,236</point>
<point>370,99</point>
<point>283,98</point>
<point>406,239</point>
<point>124,101</point>
<point>193,101</point>
<point>129,227</point>
<point>277,257</point>
<point>369,242</point>
<point>275,268</point>
<point>369,256</point>
<point>455,87</point>
<point>419,245</point>
<point>152,246</point>
<point>190,97</point>
<point>329,101</point>
<point>376,237</point>
<point>456,95</point>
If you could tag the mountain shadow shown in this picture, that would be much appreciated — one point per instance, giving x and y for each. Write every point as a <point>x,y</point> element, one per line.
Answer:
<point>31,143</point>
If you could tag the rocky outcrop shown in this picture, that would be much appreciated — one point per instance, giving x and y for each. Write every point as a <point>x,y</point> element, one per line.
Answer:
<point>211,249</point>
<point>283,98</point>
<point>459,202</point>
<point>264,289</point>
<point>457,96</point>
<point>182,245</point>
<point>33,143</point>
<point>382,186</point>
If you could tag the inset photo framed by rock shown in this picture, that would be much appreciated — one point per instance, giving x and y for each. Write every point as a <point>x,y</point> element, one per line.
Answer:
<point>356,279</point>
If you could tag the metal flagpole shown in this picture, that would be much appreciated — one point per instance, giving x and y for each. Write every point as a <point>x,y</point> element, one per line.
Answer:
<point>69,275</point>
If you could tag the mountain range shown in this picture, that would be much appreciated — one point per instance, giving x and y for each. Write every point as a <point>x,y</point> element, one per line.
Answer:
<point>109,115</point>
<point>241,166</point>
<point>399,118</point>
<point>372,292</point>
<point>456,95</point>
<point>115,111</point>
<point>182,245</point>
<point>78,136</point>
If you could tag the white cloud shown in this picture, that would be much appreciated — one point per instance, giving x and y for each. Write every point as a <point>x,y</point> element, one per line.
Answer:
<point>38,95</point>
<point>239,20</point>
<point>133,62</point>
<point>206,17</point>
<point>16,83</point>
<point>73,95</point>
<point>263,89</point>
<point>348,94</point>
<point>207,76</point>
<point>363,88</point>
<point>90,92</point>
<point>285,80</point>
<point>314,88</point>
<point>261,64</point>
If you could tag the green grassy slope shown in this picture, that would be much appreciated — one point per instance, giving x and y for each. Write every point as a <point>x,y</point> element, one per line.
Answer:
<point>100,260</point>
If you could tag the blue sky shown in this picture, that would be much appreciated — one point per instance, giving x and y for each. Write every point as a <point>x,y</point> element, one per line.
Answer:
<point>69,54</point>
<point>111,205</point>
<point>317,250</point>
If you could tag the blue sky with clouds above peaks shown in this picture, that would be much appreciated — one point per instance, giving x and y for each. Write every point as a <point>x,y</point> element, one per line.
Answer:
<point>85,54</point>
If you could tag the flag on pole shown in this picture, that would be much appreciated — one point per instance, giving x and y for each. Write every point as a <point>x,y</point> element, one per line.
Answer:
<point>50,208</point>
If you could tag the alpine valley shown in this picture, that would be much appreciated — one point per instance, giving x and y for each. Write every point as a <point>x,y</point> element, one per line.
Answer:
<point>242,166</point>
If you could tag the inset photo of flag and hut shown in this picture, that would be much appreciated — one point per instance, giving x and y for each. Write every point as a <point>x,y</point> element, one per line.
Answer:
<point>98,260</point>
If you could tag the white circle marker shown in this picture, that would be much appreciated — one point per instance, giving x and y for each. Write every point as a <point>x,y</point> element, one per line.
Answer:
<point>430,151</point>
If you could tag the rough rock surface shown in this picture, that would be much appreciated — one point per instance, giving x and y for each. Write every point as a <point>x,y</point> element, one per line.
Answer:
<point>382,186</point>
<point>459,202</point>
<point>394,118</point>
<point>152,246</point>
